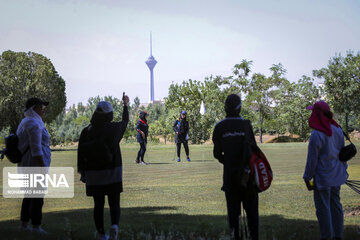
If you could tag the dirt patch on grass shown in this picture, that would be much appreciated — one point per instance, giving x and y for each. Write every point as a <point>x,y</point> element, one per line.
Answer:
<point>352,211</point>
<point>355,135</point>
<point>283,138</point>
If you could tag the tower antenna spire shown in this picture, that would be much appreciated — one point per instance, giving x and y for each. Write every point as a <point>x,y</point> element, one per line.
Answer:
<point>150,43</point>
<point>151,62</point>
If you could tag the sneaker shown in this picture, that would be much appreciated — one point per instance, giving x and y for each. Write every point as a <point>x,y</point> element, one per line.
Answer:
<point>100,236</point>
<point>113,232</point>
<point>24,228</point>
<point>39,230</point>
<point>188,159</point>
<point>137,161</point>
<point>178,160</point>
<point>143,163</point>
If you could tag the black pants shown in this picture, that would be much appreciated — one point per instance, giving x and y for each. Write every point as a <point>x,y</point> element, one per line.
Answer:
<point>31,208</point>
<point>141,152</point>
<point>114,204</point>
<point>178,148</point>
<point>250,202</point>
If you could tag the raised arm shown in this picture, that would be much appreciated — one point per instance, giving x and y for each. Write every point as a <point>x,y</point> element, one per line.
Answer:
<point>125,117</point>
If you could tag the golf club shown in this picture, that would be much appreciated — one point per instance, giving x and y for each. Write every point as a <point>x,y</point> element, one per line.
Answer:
<point>354,185</point>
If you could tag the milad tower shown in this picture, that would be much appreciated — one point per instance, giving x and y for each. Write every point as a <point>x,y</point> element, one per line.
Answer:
<point>151,62</point>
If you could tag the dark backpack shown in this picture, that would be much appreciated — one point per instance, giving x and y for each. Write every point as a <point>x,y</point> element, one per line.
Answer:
<point>11,150</point>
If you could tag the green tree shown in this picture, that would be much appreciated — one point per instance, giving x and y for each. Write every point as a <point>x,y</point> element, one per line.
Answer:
<point>295,98</point>
<point>277,119</point>
<point>342,84</point>
<point>186,96</point>
<point>25,75</point>
<point>162,127</point>
<point>189,95</point>
<point>258,96</point>
<point>134,114</point>
<point>261,93</point>
<point>240,82</point>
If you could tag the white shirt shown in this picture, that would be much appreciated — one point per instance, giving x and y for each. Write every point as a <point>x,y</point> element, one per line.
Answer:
<point>34,138</point>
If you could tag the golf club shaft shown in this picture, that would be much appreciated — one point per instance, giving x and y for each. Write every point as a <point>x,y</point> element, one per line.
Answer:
<point>356,190</point>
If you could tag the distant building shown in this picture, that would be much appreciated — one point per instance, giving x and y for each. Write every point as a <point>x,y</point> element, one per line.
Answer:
<point>145,105</point>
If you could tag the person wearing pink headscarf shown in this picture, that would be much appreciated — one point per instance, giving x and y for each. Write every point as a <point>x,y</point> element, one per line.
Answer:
<point>326,170</point>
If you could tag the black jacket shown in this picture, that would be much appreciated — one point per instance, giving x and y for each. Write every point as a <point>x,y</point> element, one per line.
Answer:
<point>143,127</point>
<point>229,138</point>
<point>102,177</point>
<point>182,127</point>
<point>111,133</point>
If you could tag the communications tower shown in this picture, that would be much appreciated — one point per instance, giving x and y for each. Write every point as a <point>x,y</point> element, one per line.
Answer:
<point>151,62</point>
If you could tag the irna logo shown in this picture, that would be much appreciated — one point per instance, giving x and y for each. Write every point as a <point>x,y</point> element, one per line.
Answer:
<point>38,182</point>
<point>34,180</point>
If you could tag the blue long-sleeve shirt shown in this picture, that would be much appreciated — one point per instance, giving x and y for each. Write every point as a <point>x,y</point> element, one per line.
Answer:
<point>33,135</point>
<point>323,164</point>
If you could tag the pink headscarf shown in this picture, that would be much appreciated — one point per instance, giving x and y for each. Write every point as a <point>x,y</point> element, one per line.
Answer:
<point>318,120</point>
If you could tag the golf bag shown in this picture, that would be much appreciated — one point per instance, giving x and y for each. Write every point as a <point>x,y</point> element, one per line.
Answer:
<point>260,170</point>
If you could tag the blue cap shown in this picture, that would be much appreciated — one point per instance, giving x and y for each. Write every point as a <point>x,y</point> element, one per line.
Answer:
<point>183,112</point>
<point>104,107</point>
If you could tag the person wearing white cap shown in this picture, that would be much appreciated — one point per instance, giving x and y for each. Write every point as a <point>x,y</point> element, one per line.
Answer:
<point>100,164</point>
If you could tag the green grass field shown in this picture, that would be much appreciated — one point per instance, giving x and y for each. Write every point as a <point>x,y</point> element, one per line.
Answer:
<point>170,200</point>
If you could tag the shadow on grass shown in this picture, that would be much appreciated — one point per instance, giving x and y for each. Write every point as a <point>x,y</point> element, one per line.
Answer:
<point>158,163</point>
<point>63,149</point>
<point>154,222</point>
<point>199,160</point>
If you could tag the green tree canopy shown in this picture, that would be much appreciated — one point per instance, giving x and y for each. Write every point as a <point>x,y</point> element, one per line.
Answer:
<point>292,102</point>
<point>342,84</point>
<point>25,75</point>
<point>189,95</point>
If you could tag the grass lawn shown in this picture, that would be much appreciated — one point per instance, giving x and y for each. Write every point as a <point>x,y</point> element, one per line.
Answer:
<point>170,200</point>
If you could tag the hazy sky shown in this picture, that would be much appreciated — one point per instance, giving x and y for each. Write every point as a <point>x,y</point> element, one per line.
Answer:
<point>100,47</point>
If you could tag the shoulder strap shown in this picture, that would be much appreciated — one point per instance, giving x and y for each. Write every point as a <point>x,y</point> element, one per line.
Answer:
<point>346,136</point>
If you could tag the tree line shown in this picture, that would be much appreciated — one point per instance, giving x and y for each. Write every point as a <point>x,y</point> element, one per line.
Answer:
<point>273,103</point>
